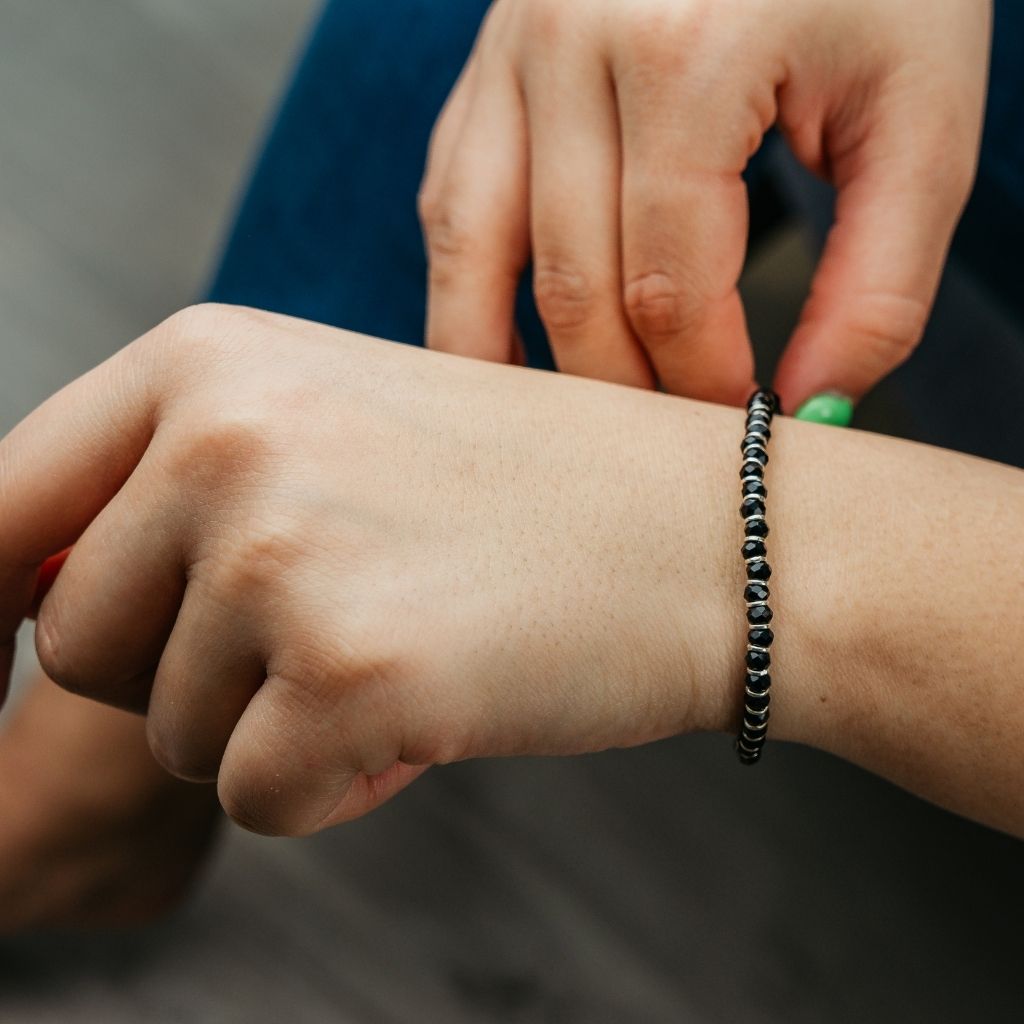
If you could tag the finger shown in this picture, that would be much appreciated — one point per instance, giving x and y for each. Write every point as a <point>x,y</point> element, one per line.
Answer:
<point>448,126</point>
<point>684,227</point>
<point>102,627</point>
<point>474,214</point>
<point>60,466</point>
<point>212,664</point>
<point>297,763</point>
<point>574,194</point>
<point>896,211</point>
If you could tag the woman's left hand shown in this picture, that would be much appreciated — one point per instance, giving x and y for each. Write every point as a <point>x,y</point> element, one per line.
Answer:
<point>323,563</point>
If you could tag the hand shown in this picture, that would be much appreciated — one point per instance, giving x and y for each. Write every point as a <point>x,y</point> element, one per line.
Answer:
<point>92,831</point>
<point>325,563</point>
<point>607,139</point>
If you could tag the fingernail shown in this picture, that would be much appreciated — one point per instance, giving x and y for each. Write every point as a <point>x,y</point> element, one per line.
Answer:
<point>829,407</point>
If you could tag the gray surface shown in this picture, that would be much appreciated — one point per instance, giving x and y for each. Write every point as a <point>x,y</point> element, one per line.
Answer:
<point>124,126</point>
<point>660,884</point>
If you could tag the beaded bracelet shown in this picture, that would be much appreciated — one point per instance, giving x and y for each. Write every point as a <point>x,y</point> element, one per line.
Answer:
<point>761,407</point>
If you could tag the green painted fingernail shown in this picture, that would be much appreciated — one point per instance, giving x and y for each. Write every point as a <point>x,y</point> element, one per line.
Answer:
<point>829,407</point>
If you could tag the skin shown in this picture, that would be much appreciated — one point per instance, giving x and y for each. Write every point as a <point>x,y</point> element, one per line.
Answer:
<point>323,563</point>
<point>94,832</point>
<point>605,141</point>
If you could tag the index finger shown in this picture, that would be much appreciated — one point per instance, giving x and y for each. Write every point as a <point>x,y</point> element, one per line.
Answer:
<point>58,469</point>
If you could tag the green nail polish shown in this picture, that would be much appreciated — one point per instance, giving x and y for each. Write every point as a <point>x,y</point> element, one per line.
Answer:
<point>829,407</point>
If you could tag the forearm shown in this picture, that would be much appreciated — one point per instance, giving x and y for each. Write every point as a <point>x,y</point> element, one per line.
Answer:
<point>899,579</point>
<point>912,669</point>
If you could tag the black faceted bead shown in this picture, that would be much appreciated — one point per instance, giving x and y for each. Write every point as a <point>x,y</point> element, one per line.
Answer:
<point>757,704</point>
<point>752,469</point>
<point>759,428</point>
<point>751,439</point>
<point>755,592</point>
<point>757,683</point>
<point>758,660</point>
<point>759,615</point>
<point>753,549</point>
<point>756,528</point>
<point>760,636</point>
<point>749,760</point>
<point>752,506</point>
<point>755,489</point>
<point>755,455</point>
<point>765,395</point>
<point>759,571</point>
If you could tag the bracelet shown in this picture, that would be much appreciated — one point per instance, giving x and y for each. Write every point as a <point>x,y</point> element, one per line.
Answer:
<point>761,407</point>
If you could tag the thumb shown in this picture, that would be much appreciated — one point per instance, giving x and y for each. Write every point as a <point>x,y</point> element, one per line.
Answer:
<point>898,204</point>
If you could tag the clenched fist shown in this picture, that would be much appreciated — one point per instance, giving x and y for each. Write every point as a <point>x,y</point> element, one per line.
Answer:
<point>323,562</point>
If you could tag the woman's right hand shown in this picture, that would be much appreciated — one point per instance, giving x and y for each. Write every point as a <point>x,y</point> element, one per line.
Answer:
<point>605,140</point>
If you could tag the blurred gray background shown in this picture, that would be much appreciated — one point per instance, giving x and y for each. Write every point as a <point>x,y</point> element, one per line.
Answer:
<point>498,892</point>
<point>125,129</point>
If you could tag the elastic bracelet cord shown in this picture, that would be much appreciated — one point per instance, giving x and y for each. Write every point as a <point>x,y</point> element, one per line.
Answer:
<point>761,407</point>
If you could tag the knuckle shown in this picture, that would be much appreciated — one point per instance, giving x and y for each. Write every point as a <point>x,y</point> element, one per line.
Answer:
<point>654,304</point>
<point>658,40</point>
<point>428,203</point>
<point>189,342</point>
<point>449,240</point>
<point>324,667</point>
<point>185,330</point>
<point>565,297</point>
<point>257,557</point>
<point>548,20</point>
<point>217,451</point>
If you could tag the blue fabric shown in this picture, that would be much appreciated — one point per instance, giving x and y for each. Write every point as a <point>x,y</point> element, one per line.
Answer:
<point>991,237</point>
<point>328,228</point>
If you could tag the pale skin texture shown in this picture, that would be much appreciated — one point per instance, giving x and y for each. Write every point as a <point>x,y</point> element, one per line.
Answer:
<point>605,140</point>
<point>329,562</point>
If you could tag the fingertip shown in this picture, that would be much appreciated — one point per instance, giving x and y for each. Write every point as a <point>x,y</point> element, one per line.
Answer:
<point>830,408</point>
